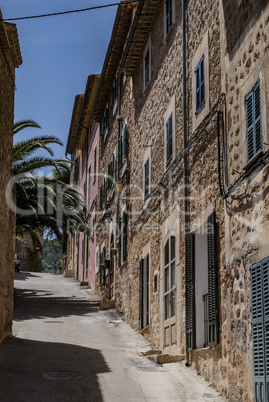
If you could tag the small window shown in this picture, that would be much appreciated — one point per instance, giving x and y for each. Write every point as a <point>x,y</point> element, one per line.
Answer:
<point>169,138</point>
<point>146,171</point>
<point>254,124</point>
<point>89,186</point>
<point>200,85</point>
<point>146,61</point>
<point>155,283</point>
<point>168,15</point>
<point>95,162</point>
<point>104,121</point>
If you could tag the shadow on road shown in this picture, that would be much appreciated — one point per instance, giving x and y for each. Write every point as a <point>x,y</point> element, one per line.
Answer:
<point>24,275</point>
<point>24,362</point>
<point>29,303</point>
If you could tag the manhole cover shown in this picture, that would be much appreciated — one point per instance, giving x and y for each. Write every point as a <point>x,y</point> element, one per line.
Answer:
<point>61,375</point>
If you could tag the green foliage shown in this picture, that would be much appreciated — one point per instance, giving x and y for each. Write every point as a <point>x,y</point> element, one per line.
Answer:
<point>52,256</point>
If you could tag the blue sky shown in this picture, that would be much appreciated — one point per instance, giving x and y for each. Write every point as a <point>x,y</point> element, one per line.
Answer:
<point>58,54</point>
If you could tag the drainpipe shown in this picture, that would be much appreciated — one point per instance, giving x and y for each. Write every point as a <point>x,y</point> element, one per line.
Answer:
<point>185,161</point>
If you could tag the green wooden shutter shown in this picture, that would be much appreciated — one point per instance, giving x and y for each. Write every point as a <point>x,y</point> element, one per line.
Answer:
<point>104,260</point>
<point>257,119</point>
<point>100,268</point>
<point>141,295</point>
<point>124,236</point>
<point>147,268</point>
<point>125,141</point>
<point>119,152</point>
<point>169,138</point>
<point>89,186</point>
<point>190,290</point>
<point>260,325</point>
<point>119,242</point>
<point>250,126</point>
<point>212,282</point>
<point>110,176</point>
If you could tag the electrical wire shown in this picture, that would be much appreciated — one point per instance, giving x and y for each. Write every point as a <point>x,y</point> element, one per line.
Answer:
<point>68,12</point>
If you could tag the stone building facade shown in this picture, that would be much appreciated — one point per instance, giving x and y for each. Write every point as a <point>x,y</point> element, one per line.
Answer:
<point>10,58</point>
<point>182,248</point>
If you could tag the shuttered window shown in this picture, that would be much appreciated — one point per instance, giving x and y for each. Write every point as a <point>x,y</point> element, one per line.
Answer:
<point>119,152</point>
<point>110,176</point>
<point>144,293</point>
<point>189,290</point>
<point>212,297</point>
<point>260,327</point>
<point>200,85</point>
<point>147,67</point>
<point>169,15</point>
<point>169,138</point>
<point>212,283</point>
<point>95,163</point>
<point>124,236</point>
<point>89,186</point>
<point>146,171</point>
<point>254,123</point>
<point>125,141</point>
<point>104,193</point>
<point>120,245</point>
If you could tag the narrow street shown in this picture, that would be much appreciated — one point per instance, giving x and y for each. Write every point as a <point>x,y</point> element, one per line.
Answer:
<point>58,327</point>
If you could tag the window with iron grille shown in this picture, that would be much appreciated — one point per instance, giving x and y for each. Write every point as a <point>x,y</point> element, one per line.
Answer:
<point>146,172</point>
<point>169,138</point>
<point>254,123</point>
<point>200,85</point>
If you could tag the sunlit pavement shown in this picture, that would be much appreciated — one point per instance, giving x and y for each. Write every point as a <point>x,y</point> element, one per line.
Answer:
<point>66,349</point>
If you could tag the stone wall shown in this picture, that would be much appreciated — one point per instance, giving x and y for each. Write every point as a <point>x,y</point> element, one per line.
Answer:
<point>9,59</point>
<point>246,209</point>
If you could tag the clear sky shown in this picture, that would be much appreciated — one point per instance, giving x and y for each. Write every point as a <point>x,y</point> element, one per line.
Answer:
<point>58,54</point>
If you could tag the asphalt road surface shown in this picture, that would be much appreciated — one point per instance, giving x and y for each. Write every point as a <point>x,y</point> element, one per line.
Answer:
<point>66,349</point>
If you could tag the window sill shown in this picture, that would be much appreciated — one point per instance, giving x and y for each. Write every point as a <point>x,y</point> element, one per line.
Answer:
<point>253,160</point>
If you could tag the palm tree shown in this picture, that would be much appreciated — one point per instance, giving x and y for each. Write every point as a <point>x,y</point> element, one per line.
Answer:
<point>44,202</point>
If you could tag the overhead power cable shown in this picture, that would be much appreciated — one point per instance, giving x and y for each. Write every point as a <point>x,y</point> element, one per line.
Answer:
<point>68,12</point>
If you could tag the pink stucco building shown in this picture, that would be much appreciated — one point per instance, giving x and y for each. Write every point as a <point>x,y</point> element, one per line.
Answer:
<point>83,143</point>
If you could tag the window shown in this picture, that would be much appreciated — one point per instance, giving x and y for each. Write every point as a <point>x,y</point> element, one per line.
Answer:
<point>169,138</point>
<point>119,153</point>
<point>102,264</point>
<point>254,124</point>
<point>155,279</point>
<point>170,278</point>
<point>200,85</point>
<point>260,323</point>
<point>110,176</point>
<point>89,186</point>
<point>146,62</point>
<point>125,141</point>
<point>123,236</point>
<point>201,287</point>
<point>104,122</point>
<point>146,172</point>
<point>168,15</point>
<point>95,162</point>
<point>76,171</point>
<point>144,293</point>
<point>114,93</point>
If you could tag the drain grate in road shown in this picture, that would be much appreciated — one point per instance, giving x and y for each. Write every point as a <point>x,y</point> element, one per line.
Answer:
<point>61,375</point>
